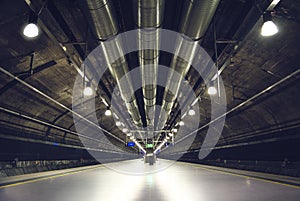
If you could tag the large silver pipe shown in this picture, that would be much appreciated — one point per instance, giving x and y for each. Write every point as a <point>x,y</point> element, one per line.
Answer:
<point>149,13</point>
<point>149,16</point>
<point>148,59</point>
<point>197,17</point>
<point>105,26</point>
<point>103,17</point>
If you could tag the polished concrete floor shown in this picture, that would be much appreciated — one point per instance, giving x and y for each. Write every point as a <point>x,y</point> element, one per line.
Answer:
<point>180,181</point>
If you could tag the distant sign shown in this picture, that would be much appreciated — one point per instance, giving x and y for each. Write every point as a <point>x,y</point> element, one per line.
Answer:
<point>149,145</point>
<point>130,144</point>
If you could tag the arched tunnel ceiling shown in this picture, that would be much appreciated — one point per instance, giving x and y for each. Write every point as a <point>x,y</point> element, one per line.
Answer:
<point>255,64</point>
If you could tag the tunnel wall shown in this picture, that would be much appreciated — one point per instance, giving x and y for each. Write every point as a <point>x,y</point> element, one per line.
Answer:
<point>281,157</point>
<point>19,157</point>
<point>12,168</point>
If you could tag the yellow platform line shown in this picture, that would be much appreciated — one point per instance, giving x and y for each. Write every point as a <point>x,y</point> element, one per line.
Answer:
<point>49,177</point>
<point>247,177</point>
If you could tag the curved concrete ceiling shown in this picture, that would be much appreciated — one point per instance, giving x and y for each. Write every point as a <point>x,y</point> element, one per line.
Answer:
<point>255,64</point>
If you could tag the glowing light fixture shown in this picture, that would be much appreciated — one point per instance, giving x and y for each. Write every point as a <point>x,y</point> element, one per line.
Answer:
<point>88,91</point>
<point>64,48</point>
<point>174,130</point>
<point>212,90</point>
<point>191,112</point>
<point>31,30</point>
<point>268,28</point>
<point>124,130</point>
<point>108,112</point>
<point>118,123</point>
<point>181,123</point>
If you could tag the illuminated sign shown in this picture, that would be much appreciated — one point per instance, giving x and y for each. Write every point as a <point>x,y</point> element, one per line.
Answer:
<point>130,144</point>
<point>149,145</point>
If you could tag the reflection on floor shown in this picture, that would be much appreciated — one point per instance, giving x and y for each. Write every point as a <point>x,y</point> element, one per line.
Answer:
<point>171,182</point>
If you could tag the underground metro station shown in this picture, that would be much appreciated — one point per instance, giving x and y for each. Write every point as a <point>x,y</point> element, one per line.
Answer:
<point>133,100</point>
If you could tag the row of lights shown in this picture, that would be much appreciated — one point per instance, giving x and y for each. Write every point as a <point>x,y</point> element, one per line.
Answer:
<point>269,28</point>
<point>211,91</point>
<point>31,30</point>
<point>88,91</point>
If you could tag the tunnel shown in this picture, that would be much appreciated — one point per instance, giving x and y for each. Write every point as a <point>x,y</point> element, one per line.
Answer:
<point>130,100</point>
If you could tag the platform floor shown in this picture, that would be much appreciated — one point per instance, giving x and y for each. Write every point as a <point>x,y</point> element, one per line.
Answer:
<point>181,181</point>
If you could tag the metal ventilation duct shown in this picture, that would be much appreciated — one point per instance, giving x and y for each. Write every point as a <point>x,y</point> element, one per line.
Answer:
<point>103,18</point>
<point>149,13</point>
<point>149,17</point>
<point>105,26</point>
<point>197,15</point>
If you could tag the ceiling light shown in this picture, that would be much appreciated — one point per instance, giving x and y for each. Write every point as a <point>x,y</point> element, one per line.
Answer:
<point>31,30</point>
<point>191,112</point>
<point>129,134</point>
<point>212,90</point>
<point>181,123</point>
<point>108,112</point>
<point>88,91</point>
<point>64,48</point>
<point>124,130</point>
<point>268,28</point>
<point>118,123</point>
<point>174,130</point>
